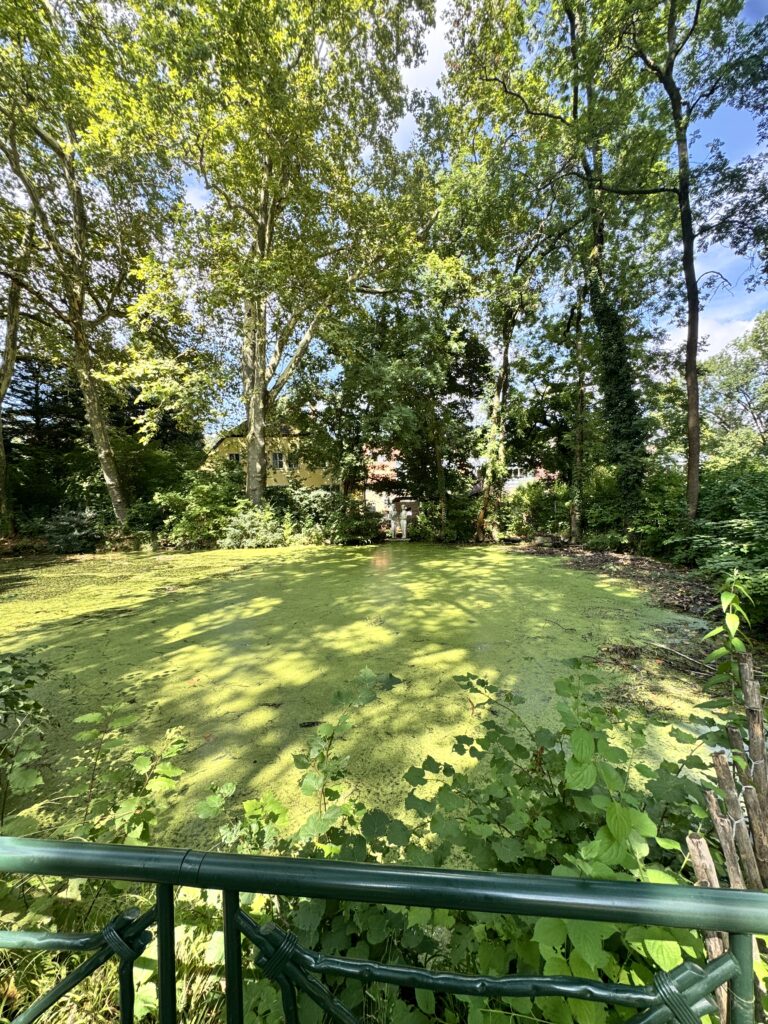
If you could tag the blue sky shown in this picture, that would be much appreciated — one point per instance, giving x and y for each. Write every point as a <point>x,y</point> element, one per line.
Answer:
<point>729,310</point>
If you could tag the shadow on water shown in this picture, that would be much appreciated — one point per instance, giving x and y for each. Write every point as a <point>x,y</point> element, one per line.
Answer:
<point>240,648</point>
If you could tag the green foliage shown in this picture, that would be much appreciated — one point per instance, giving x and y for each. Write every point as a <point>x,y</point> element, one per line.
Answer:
<point>211,511</point>
<point>590,814</point>
<point>253,527</point>
<point>600,809</point>
<point>537,507</point>
<point>730,635</point>
<point>71,532</point>
<point>460,520</point>
<point>195,516</point>
<point>323,515</point>
<point>23,722</point>
<point>351,521</point>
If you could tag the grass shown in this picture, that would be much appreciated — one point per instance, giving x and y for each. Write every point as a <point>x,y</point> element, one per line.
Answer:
<point>242,647</point>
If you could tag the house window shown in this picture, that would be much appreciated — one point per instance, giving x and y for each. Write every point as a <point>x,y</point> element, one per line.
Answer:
<point>277,460</point>
<point>233,457</point>
<point>293,462</point>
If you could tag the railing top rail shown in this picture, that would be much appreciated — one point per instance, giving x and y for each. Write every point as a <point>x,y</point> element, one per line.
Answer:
<point>526,895</point>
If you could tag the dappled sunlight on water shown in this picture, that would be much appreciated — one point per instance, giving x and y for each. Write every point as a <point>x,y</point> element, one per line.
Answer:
<point>241,647</point>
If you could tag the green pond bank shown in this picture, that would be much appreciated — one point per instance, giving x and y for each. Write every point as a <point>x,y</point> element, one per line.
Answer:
<point>244,648</point>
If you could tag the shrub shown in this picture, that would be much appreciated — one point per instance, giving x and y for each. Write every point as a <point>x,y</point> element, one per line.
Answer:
<point>71,532</point>
<point>460,520</point>
<point>23,726</point>
<point>606,541</point>
<point>351,521</point>
<point>537,507</point>
<point>253,527</point>
<point>195,516</point>
<point>599,809</point>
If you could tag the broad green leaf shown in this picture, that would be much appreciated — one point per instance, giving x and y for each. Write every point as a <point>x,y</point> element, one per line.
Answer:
<point>582,745</point>
<point>619,821</point>
<point>550,931</point>
<point>580,776</point>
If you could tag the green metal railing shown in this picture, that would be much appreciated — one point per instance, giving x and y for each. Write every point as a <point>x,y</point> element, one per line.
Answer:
<point>683,995</point>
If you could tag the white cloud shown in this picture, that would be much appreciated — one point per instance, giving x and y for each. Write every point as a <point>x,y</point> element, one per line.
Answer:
<point>715,334</point>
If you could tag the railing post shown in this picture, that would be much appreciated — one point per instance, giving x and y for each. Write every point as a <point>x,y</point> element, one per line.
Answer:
<point>743,985</point>
<point>233,957</point>
<point>166,956</point>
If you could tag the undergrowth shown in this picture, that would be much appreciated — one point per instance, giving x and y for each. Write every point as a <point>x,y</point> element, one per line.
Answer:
<point>600,808</point>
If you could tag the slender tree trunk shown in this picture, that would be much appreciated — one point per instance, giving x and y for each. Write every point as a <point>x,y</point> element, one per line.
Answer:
<point>442,494</point>
<point>496,462</point>
<point>688,237</point>
<point>8,365</point>
<point>97,421</point>
<point>577,483</point>
<point>256,399</point>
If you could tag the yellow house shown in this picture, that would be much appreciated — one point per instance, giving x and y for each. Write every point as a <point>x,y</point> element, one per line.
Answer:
<point>284,464</point>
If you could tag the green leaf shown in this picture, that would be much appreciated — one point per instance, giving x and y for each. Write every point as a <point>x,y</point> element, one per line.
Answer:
<point>732,622</point>
<point>312,783</point>
<point>582,746</point>
<point>415,776</point>
<point>551,932</point>
<point>425,1000</point>
<point>580,776</point>
<point>374,824</point>
<point>619,821</point>
<point>24,780</point>
<point>642,823</point>
<point>668,844</point>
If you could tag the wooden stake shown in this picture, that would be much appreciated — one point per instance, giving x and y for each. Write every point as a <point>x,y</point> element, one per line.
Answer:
<point>753,705</point>
<point>738,823</point>
<point>716,942</point>
<point>725,838</point>
<point>741,757</point>
<point>757,824</point>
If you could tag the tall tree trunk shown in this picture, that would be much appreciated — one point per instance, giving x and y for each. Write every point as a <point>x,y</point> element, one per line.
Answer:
<point>496,462</point>
<point>97,421</point>
<point>688,237</point>
<point>256,399</point>
<point>442,494</point>
<point>577,472</point>
<point>8,364</point>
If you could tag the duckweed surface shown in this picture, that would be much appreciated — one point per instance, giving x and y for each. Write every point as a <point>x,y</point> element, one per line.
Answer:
<point>242,647</point>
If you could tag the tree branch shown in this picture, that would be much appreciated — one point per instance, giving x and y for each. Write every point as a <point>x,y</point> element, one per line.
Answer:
<point>298,354</point>
<point>529,110</point>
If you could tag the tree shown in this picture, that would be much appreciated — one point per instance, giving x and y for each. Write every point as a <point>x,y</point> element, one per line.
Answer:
<point>544,82</point>
<point>735,385</point>
<point>74,141</point>
<point>18,258</point>
<point>282,110</point>
<point>681,44</point>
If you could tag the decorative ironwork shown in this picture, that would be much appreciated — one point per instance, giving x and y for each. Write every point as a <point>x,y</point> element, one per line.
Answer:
<point>682,996</point>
